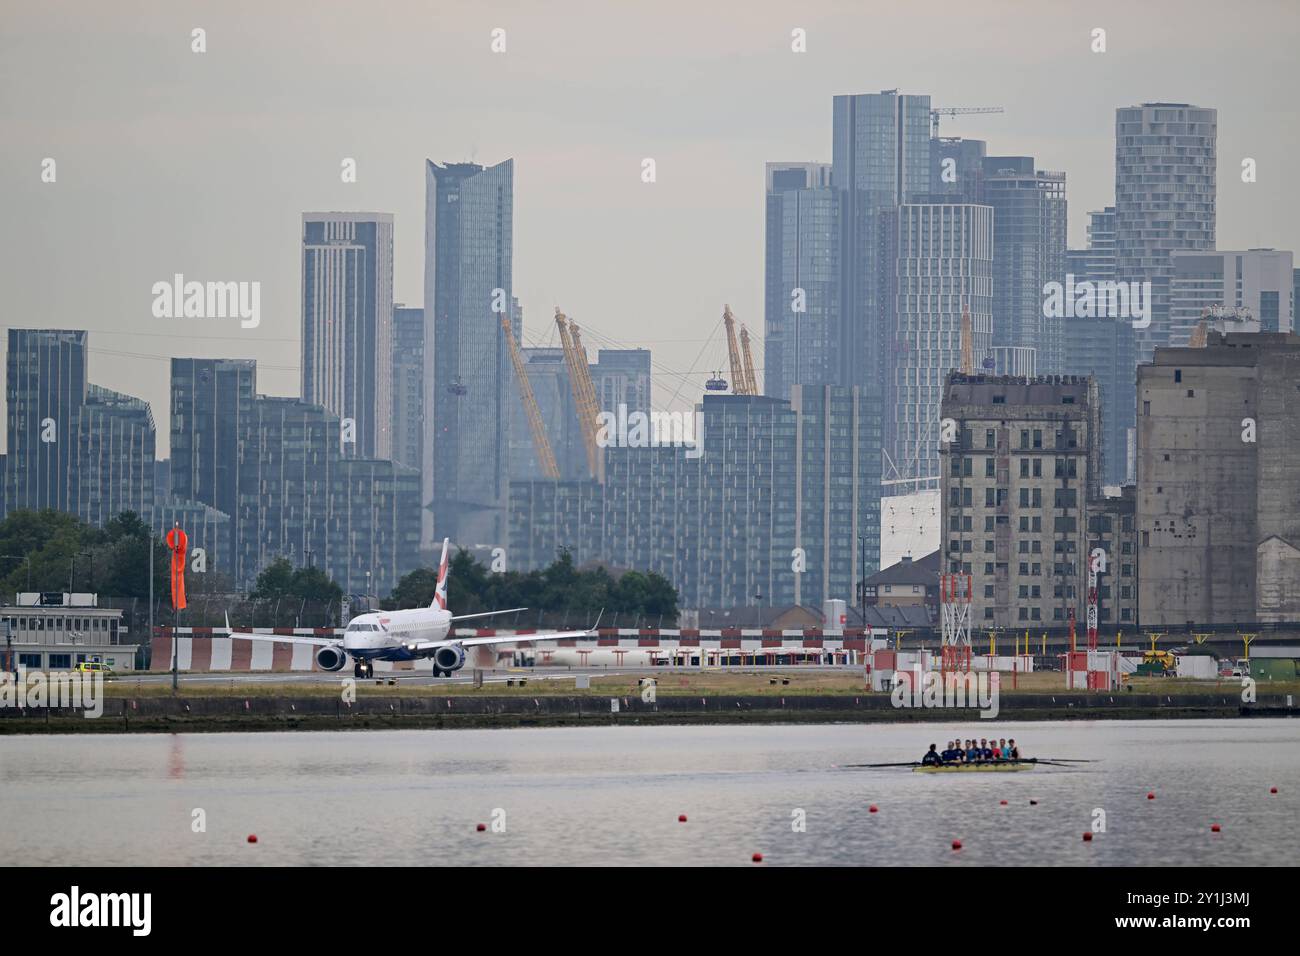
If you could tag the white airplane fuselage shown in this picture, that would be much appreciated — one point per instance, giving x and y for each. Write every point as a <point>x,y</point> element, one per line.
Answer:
<point>390,635</point>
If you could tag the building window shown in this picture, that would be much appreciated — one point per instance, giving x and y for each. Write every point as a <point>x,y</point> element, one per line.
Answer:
<point>60,662</point>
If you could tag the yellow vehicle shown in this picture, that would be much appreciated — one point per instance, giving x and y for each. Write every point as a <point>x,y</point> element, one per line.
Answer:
<point>1157,662</point>
<point>94,667</point>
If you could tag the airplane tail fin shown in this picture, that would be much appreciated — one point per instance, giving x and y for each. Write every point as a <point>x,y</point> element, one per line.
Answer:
<point>440,593</point>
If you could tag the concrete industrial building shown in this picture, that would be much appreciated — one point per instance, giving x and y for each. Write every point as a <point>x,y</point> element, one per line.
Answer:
<point>1021,460</point>
<point>347,325</point>
<point>1218,499</point>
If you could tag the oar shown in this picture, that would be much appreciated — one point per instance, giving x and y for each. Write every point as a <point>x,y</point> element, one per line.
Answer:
<point>858,766</point>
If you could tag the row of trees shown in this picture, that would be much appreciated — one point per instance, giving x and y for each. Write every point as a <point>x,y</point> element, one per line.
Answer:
<point>55,551</point>
<point>556,592</point>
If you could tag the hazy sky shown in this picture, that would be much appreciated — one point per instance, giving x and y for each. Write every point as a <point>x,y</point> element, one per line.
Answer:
<point>170,161</point>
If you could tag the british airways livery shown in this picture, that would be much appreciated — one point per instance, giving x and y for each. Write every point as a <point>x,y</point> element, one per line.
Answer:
<point>408,635</point>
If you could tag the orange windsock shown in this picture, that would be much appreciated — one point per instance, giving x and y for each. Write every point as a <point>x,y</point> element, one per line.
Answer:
<point>178,542</point>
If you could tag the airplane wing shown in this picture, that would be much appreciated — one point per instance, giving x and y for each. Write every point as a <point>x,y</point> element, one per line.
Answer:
<point>287,639</point>
<point>466,617</point>
<point>281,638</point>
<point>427,646</point>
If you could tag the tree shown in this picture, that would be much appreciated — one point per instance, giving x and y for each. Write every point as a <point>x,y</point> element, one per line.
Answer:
<point>274,581</point>
<point>559,588</point>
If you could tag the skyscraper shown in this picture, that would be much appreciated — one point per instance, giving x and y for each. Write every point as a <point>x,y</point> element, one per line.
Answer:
<point>408,385</point>
<point>880,160</point>
<point>622,377</point>
<point>211,404</point>
<point>1029,229</point>
<point>115,465</point>
<point>1165,156</point>
<point>347,314</point>
<point>467,380</point>
<point>1254,282</point>
<point>944,261</point>
<point>1103,346</point>
<point>45,388</point>
<point>801,290</point>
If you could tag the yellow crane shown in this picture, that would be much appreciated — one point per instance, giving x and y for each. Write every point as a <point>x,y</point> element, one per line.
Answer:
<point>1201,332</point>
<point>740,384</point>
<point>751,383</point>
<point>967,346</point>
<point>584,393</point>
<point>543,445</point>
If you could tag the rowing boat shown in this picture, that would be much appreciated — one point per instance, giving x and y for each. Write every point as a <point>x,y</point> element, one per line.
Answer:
<point>993,767</point>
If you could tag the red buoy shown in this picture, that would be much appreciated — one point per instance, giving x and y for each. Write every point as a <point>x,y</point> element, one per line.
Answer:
<point>757,858</point>
<point>681,818</point>
<point>1151,796</point>
<point>956,844</point>
<point>481,827</point>
<point>1214,828</point>
<point>1003,803</point>
<point>1087,837</point>
<point>1272,789</point>
<point>252,838</point>
<point>873,809</point>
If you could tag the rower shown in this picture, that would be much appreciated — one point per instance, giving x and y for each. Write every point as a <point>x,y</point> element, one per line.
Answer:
<point>972,752</point>
<point>951,754</point>
<point>1015,751</point>
<point>931,758</point>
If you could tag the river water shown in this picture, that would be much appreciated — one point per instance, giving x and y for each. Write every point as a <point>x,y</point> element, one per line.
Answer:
<point>612,795</point>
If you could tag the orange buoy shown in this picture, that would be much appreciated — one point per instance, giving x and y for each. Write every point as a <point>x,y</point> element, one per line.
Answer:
<point>1214,828</point>
<point>681,818</point>
<point>873,809</point>
<point>252,838</point>
<point>1087,837</point>
<point>956,844</point>
<point>757,858</point>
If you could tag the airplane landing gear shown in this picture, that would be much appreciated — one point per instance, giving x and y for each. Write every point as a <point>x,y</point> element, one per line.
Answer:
<point>362,669</point>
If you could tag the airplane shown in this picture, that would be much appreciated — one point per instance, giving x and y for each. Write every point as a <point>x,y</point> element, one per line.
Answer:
<point>406,635</point>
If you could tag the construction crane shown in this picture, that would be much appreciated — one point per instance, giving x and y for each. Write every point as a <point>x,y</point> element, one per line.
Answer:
<point>739,382</point>
<point>584,393</point>
<point>967,346</point>
<point>1199,335</point>
<point>543,445</point>
<point>751,383</point>
<point>957,111</point>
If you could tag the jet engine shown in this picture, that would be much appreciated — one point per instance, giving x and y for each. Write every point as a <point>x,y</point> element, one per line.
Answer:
<point>331,658</point>
<point>449,658</point>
